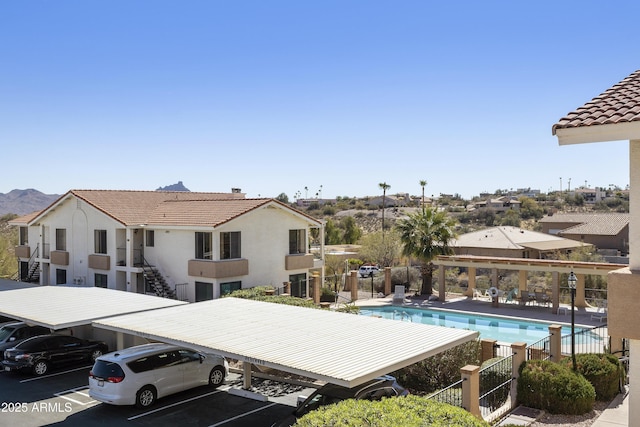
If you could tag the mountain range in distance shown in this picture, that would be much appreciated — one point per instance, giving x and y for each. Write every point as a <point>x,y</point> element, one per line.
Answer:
<point>23,202</point>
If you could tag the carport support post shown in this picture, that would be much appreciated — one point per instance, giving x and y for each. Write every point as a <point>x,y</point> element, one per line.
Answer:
<point>119,340</point>
<point>246,375</point>
<point>471,389</point>
<point>354,285</point>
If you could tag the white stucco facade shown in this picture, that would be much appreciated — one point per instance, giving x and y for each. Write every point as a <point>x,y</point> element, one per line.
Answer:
<point>63,243</point>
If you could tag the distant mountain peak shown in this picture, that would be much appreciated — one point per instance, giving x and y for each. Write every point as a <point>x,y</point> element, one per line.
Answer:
<point>174,187</point>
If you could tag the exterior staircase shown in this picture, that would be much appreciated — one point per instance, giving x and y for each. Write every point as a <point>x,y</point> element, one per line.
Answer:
<point>157,282</point>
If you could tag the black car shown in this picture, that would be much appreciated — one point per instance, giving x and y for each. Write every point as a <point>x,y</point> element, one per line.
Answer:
<point>13,333</point>
<point>376,389</point>
<point>39,354</point>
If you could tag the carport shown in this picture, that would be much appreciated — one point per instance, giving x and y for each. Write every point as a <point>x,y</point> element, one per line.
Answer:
<point>339,348</point>
<point>62,307</point>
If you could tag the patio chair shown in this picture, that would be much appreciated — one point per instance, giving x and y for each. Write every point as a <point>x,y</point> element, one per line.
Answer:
<point>541,298</point>
<point>511,295</point>
<point>398,295</point>
<point>524,298</point>
<point>601,311</point>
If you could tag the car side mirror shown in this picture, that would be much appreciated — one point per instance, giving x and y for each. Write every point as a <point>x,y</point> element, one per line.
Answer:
<point>201,358</point>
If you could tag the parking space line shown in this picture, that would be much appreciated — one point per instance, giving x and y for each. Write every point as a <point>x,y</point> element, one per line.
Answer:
<point>243,415</point>
<point>144,414</point>
<point>55,374</point>
<point>78,390</point>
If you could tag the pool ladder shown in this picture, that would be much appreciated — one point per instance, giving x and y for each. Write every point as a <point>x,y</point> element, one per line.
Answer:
<point>402,314</point>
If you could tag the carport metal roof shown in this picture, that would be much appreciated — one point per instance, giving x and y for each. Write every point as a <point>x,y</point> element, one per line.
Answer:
<point>59,307</point>
<point>340,348</point>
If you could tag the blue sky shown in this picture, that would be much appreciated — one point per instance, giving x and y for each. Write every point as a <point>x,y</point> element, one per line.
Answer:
<point>275,96</point>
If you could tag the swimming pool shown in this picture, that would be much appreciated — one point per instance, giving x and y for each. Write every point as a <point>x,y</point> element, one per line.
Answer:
<point>501,329</point>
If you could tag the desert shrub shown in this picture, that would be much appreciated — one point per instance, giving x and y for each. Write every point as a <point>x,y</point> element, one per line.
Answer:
<point>439,371</point>
<point>601,370</point>
<point>492,375</point>
<point>555,388</point>
<point>259,294</point>
<point>409,411</point>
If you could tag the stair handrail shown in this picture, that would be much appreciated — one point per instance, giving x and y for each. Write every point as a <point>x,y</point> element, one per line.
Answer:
<point>146,264</point>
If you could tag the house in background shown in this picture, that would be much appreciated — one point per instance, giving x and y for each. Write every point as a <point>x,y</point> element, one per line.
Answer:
<point>513,242</point>
<point>190,246</point>
<point>608,232</point>
<point>500,204</point>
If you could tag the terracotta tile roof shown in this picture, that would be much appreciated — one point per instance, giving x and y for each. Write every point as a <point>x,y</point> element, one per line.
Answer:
<point>619,104</point>
<point>207,213</point>
<point>134,207</point>
<point>605,224</point>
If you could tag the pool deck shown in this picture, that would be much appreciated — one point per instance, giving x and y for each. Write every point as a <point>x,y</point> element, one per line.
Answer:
<point>484,306</point>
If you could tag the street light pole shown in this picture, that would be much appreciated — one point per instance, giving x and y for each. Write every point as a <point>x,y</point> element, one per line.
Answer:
<point>572,281</point>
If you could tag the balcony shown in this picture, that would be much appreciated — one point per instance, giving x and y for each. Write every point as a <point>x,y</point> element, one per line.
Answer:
<point>23,251</point>
<point>100,262</point>
<point>218,269</point>
<point>298,262</point>
<point>60,257</point>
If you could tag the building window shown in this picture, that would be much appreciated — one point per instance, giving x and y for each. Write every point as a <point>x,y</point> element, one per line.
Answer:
<point>24,236</point>
<point>230,245</point>
<point>100,241</point>
<point>227,288</point>
<point>204,291</point>
<point>297,241</point>
<point>150,238</point>
<point>101,280</point>
<point>61,276</point>
<point>203,245</point>
<point>61,239</point>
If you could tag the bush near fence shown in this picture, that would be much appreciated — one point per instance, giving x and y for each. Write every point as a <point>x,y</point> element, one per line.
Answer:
<point>409,411</point>
<point>555,388</point>
<point>603,371</point>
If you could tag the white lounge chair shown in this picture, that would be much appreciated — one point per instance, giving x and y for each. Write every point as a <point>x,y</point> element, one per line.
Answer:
<point>398,295</point>
<point>601,311</point>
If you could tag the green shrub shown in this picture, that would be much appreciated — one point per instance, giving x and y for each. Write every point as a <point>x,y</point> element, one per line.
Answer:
<point>555,388</point>
<point>601,370</point>
<point>409,411</point>
<point>439,371</point>
<point>259,293</point>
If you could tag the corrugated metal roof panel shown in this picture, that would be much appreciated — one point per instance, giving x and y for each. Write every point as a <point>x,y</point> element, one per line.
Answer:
<point>340,348</point>
<point>59,307</point>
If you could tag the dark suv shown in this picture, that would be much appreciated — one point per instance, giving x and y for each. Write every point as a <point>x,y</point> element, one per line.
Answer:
<point>376,389</point>
<point>14,333</point>
<point>39,354</point>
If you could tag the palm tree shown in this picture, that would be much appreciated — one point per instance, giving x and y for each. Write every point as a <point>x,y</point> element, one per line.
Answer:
<point>384,187</point>
<point>423,183</point>
<point>425,235</point>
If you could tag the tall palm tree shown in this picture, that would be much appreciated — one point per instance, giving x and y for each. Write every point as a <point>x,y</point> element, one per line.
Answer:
<point>423,183</point>
<point>425,235</point>
<point>384,187</point>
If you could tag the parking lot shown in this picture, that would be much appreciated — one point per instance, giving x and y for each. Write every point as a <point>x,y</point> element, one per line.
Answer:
<point>61,398</point>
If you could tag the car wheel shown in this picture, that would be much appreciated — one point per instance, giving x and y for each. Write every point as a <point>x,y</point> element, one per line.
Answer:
<point>41,367</point>
<point>145,397</point>
<point>95,354</point>
<point>216,376</point>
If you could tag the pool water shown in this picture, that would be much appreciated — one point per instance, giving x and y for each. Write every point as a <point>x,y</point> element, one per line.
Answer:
<point>501,329</point>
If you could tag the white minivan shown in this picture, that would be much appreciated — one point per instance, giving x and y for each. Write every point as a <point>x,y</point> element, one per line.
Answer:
<point>139,375</point>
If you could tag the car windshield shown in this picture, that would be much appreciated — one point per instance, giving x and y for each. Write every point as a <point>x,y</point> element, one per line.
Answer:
<point>5,332</point>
